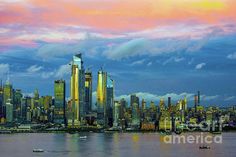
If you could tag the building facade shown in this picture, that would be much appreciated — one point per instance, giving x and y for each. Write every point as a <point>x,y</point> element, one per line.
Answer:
<point>77,91</point>
<point>59,101</point>
<point>101,97</point>
<point>88,91</point>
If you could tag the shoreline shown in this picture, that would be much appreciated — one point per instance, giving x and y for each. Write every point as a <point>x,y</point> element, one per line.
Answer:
<point>105,131</point>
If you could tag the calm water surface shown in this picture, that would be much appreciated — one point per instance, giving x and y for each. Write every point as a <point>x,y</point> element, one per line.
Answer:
<point>108,144</point>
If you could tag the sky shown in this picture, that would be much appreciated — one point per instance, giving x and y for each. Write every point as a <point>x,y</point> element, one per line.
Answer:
<point>154,48</point>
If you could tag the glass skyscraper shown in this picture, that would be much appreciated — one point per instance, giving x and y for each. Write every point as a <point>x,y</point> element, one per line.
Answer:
<point>77,91</point>
<point>7,94</point>
<point>101,98</point>
<point>1,100</point>
<point>9,111</point>
<point>88,91</point>
<point>17,103</point>
<point>110,100</point>
<point>59,101</point>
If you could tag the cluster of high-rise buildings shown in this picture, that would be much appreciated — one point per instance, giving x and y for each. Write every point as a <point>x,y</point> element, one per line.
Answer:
<point>77,111</point>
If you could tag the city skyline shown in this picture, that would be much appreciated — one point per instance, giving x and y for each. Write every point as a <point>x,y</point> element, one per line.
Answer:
<point>150,50</point>
<point>84,87</point>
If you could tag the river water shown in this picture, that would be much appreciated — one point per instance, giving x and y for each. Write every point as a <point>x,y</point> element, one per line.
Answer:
<point>108,144</point>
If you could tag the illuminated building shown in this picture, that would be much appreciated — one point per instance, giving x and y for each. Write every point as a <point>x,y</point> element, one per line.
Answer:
<point>23,108</point>
<point>7,94</point>
<point>110,100</point>
<point>153,111</point>
<point>36,98</point>
<point>209,117</point>
<point>77,91</point>
<point>116,114</point>
<point>162,105</point>
<point>1,100</point>
<point>135,116</point>
<point>47,102</point>
<point>143,109</point>
<point>101,98</point>
<point>123,104</point>
<point>143,105</point>
<point>59,101</point>
<point>185,104</point>
<point>17,103</point>
<point>165,122</point>
<point>9,111</point>
<point>134,99</point>
<point>88,91</point>
<point>28,115</point>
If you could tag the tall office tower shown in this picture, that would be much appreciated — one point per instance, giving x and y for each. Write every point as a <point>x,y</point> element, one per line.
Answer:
<point>110,101</point>
<point>143,109</point>
<point>123,104</point>
<point>116,113</point>
<point>17,96</point>
<point>59,101</point>
<point>1,99</point>
<point>135,116</point>
<point>88,91</point>
<point>77,91</point>
<point>198,97</point>
<point>101,97</point>
<point>169,102</point>
<point>143,104</point>
<point>9,111</point>
<point>134,99</point>
<point>36,98</point>
<point>185,103</point>
<point>28,114</point>
<point>7,94</point>
<point>25,103</point>
<point>162,105</point>
<point>47,102</point>
<point>195,102</point>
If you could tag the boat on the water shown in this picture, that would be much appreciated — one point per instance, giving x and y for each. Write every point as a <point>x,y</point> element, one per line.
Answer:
<point>204,147</point>
<point>83,137</point>
<point>38,150</point>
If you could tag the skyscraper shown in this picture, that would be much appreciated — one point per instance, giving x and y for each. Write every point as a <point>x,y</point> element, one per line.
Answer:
<point>101,97</point>
<point>110,100</point>
<point>88,91</point>
<point>169,102</point>
<point>9,111</point>
<point>77,91</point>
<point>116,113</point>
<point>135,116</point>
<point>134,99</point>
<point>1,100</point>
<point>59,101</point>
<point>7,94</point>
<point>198,97</point>
<point>17,96</point>
<point>36,98</point>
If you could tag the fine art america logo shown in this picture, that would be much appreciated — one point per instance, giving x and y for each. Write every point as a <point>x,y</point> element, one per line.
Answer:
<point>202,135</point>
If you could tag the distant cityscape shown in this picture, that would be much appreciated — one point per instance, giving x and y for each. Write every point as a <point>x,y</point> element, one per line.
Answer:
<point>37,113</point>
